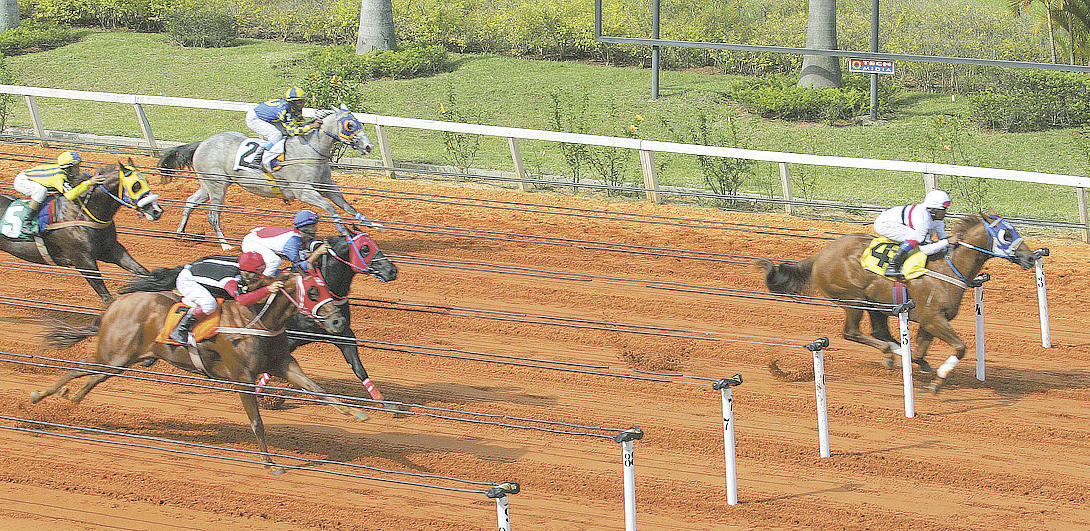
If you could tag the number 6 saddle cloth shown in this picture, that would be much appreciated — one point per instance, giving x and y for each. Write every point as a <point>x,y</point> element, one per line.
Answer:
<point>882,250</point>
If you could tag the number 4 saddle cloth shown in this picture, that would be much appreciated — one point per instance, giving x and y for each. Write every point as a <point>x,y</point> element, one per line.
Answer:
<point>204,329</point>
<point>882,250</point>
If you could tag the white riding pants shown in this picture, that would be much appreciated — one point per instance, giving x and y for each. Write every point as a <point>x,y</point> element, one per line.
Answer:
<point>36,191</point>
<point>897,232</point>
<point>272,132</point>
<point>193,293</point>
<point>252,243</point>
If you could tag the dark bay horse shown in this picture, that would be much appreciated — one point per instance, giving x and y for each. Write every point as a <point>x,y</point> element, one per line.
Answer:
<point>253,343</point>
<point>85,232</point>
<point>305,174</point>
<point>837,273</point>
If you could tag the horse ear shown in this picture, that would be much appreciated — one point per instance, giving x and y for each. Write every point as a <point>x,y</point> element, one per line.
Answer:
<point>343,107</point>
<point>131,163</point>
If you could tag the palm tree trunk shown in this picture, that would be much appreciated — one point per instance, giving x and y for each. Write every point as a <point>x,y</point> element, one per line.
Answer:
<point>820,71</point>
<point>376,26</point>
<point>1051,36</point>
<point>9,14</point>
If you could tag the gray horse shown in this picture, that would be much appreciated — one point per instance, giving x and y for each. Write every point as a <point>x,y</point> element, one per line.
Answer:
<point>231,157</point>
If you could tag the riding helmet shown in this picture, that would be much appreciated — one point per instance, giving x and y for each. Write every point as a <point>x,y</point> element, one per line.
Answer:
<point>295,94</point>
<point>305,217</point>
<point>936,199</point>
<point>68,159</point>
<point>252,262</point>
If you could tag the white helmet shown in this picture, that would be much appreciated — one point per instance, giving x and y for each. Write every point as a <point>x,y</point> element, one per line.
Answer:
<point>936,199</point>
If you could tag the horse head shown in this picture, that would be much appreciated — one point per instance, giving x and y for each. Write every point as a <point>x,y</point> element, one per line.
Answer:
<point>126,185</point>
<point>352,254</point>
<point>994,235</point>
<point>311,297</point>
<point>341,125</point>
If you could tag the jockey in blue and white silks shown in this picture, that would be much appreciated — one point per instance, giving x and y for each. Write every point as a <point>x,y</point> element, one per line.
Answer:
<point>912,225</point>
<point>36,182</point>
<point>273,119</point>
<point>274,243</point>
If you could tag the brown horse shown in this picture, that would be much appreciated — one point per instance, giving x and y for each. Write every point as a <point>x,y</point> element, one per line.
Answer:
<point>255,343</point>
<point>837,273</point>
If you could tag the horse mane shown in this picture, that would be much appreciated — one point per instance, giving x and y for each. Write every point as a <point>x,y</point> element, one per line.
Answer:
<point>966,223</point>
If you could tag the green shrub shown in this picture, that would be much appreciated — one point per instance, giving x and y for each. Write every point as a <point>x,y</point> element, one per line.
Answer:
<point>34,37</point>
<point>202,28</point>
<point>779,97</point>
<point>1032,101</point>
<point>7,77</point>
<point>137,15</point>
<point>334,73</point>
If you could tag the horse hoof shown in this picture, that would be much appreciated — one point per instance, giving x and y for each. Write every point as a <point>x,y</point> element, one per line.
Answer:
<point>889,363</point>
<point>924,366</point>
<point>361,416</point>
<point>275,470</point>
<point>935,387</point>
<point>226,247</point>
<point>64,392</point>
<point>35,397</point>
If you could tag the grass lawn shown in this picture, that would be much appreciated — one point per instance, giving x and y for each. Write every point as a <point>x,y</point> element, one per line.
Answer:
<point>516,92</point>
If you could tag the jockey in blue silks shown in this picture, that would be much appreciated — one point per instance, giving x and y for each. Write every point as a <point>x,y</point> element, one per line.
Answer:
<point>273,119</point>
<point>36,182</point>
<point>290,243</point>
<point>912,225</point>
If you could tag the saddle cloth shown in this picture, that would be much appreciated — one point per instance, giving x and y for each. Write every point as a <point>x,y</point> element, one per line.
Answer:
<point>881,251</point>
<point>11,222</point>
<point>248,156</point>
<point>204,329</point>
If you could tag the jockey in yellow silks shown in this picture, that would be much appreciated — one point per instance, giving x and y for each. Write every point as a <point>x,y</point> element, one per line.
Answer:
<point>37,181</point>
<point>912,225</point>
<point>272,119</point>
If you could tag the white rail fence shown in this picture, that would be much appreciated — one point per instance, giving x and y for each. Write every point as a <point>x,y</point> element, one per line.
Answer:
<point>645,148</point>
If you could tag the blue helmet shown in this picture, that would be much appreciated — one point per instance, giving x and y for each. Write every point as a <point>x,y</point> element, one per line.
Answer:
<point>304,218</point>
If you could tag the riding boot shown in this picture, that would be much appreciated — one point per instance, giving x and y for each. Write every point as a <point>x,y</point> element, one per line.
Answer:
<point>32,212</point>
<point>185,326</point>
<point>894,267</point>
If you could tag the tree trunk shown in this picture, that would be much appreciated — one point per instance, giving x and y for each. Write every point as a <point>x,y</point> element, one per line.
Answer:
<point>9,14</point>
<point>819,71</point>
<point>376,26</point>
<point>1051,34</point>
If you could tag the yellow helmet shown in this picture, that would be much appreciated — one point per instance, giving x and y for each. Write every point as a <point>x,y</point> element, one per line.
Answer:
<point>295,94</point>
<point>68,159</point>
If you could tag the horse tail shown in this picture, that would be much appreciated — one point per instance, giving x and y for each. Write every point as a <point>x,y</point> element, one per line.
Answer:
<point>787,277</point>
<point>176,158</point>
<point>65,335</point>
<point>161,279</point>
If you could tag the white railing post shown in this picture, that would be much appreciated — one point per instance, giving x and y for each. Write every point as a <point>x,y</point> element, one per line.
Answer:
<point>724,387</point>
<point>36,119</point>
<point>1042,298</point>
<point>978,306</point>
<point>930,182</point>
<point>145,127</point>
<point>499,493</point>
<point>818,349</point>
<point>785,183</point>
<point>384,150</point>
<point>650,175</point>
<point>627,439</point>
<point>906,356</point>
<point>1080,193</point>
<point>520,170</point>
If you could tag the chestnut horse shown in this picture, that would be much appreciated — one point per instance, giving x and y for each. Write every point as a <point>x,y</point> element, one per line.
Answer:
<point>837,273</point>
<point>249,343</point>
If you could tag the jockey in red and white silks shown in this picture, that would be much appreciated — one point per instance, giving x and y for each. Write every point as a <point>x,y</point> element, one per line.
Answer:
<point>202,281</point>
<point>274,243</point>
<point>912,225</point>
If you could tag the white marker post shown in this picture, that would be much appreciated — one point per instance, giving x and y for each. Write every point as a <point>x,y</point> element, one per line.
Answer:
<point>724,386</point>
<point>818,349</point>
<point>1042,298</point>
<point>499,493</point>
<point>627,439</point>
<point>978,305</point>
<point>906,356</point>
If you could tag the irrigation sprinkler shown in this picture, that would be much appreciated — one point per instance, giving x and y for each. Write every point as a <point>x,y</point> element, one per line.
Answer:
<point>724,386</point>
<point>1042,297</point>
<point>627,439</point>
<point>499,493</point>
<point>818,349</point>
<point>978,303</point>
<point>906,355</point>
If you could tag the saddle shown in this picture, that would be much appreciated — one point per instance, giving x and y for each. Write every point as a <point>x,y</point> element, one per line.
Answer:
<point>881,251</point>
<point>11,221</point>
<point>204,329</point>
<point>248,158</point>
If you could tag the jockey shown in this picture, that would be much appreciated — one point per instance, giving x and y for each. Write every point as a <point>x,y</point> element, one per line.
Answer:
<point>273,119</point>
<point>218,276</point>
<point>272,243</point>
<point>912,225</point>
<point>36,182</point>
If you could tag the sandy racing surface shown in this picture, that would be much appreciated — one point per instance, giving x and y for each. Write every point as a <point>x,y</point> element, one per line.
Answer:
<point>1010,452</point>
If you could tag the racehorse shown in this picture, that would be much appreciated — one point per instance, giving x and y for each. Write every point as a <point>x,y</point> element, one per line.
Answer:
<point>84,232</point>
<point>305,174</point>
<point>248,344</point>
<point>836,272</point>
<point>346,258</point>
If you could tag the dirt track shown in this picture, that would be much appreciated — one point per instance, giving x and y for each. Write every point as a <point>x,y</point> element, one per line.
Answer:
<point>1010,452</point>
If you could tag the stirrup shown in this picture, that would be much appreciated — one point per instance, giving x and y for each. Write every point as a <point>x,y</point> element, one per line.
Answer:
<point>894,273</point>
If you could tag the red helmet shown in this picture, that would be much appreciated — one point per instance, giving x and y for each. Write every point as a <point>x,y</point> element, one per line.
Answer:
<point>252,262</point>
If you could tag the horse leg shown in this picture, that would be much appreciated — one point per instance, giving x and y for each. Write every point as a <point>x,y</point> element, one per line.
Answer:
<point>852,332</point>
<point>72,374</point>
<point>923,342</point>
<point>118,254</point>
<point>90,272</point>
<point>249,402</point>
<point>293,373</point>
<point>199,196</point>
<point>351,354</point>
<point>217,194</point>
<point>311,196</point>
<point>940,327</point>
<point>879,325</point>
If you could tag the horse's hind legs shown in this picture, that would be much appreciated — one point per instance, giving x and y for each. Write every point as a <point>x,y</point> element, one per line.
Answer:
<point>37,396</point>
<point>198,197</point>
<point>249,402</point>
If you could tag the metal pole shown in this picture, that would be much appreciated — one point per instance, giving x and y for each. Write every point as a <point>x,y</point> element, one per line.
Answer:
<point>499,493</point>
<point>906,356</point>
<point>627,439</point>
<point>655,50</point>
<point>1042,298</point>
<point>818,349</point>
<point>874,48</point>
<point>724,386</point>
